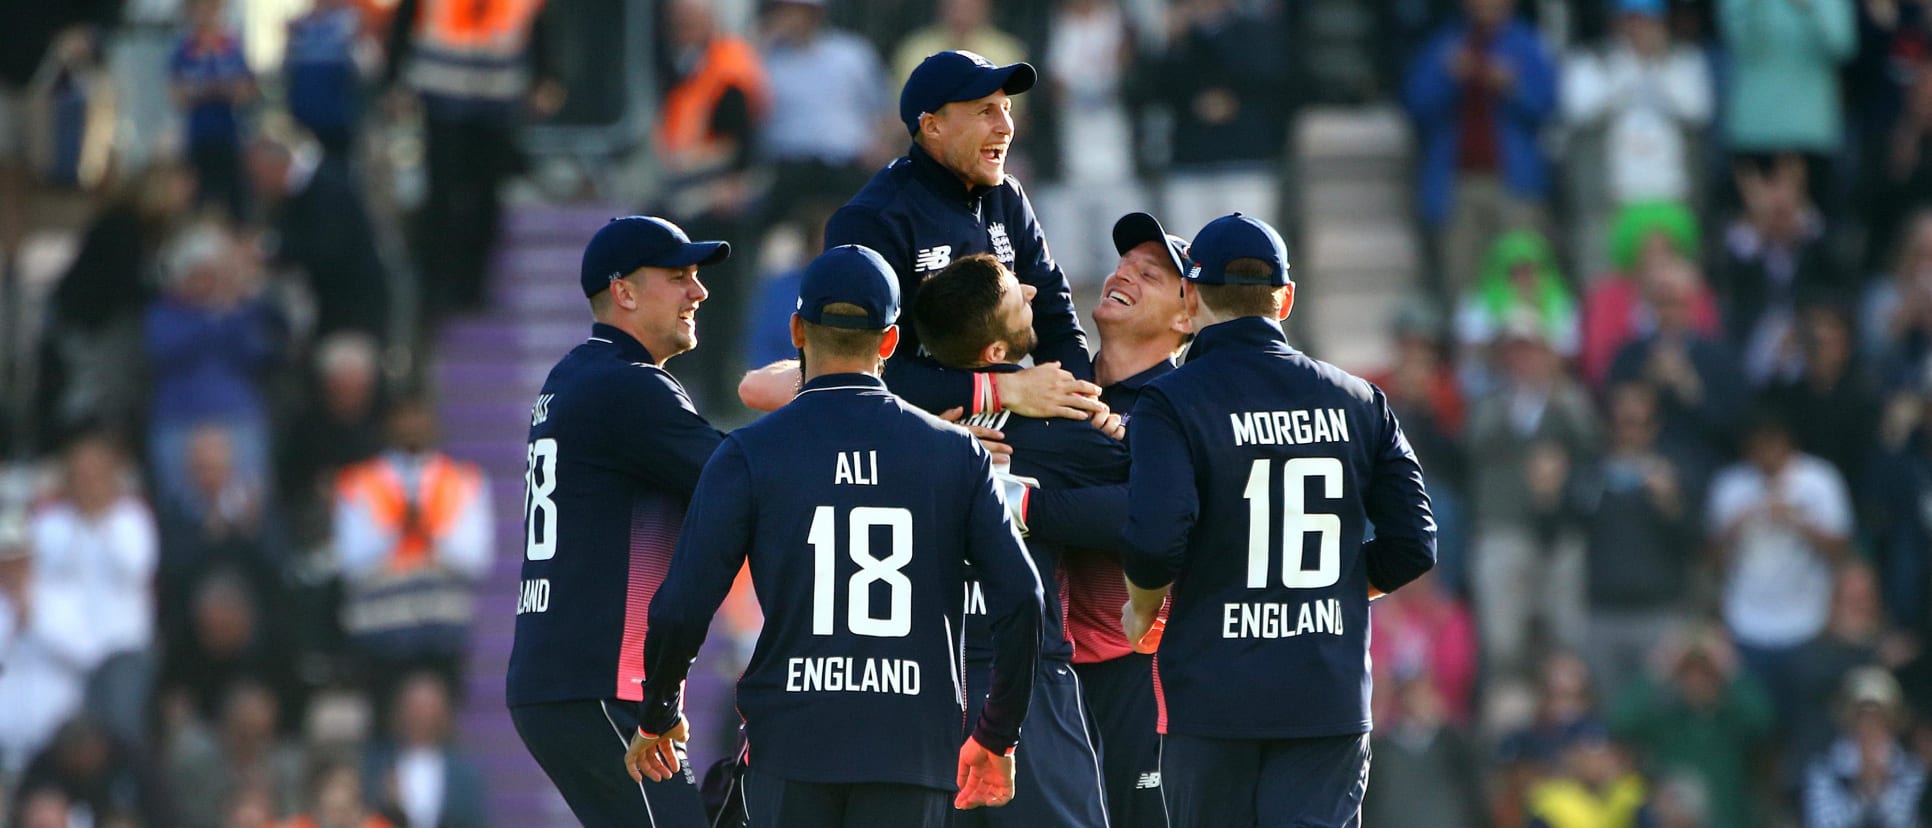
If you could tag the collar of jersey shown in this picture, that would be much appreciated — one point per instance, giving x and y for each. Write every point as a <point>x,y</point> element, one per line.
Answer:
<point>627,347</point>
<point>1152,373</point>
<point>855,382</point>
<point>941,180</point>
<point>1245,334</point>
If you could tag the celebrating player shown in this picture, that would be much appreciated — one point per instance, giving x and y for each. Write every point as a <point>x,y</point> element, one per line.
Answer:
<point>859,515</point>
<point>974,315</point>
<point>615,451</point>
<point>947,198</point>
<point>1143,317</point>
<point>1256,470</point>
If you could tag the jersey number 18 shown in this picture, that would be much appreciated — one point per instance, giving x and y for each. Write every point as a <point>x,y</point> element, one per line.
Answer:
<point>859,618</point>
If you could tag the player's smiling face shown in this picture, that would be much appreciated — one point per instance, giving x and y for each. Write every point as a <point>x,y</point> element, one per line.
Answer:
<point>667,308</point>
<point>1143,295</point>
<point>972,138</point>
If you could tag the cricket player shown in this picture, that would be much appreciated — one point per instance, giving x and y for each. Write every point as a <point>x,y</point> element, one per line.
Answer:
<point>860,515</point>
<point>1256,473</point>
<point>974,315</point>
<point>615,451</point>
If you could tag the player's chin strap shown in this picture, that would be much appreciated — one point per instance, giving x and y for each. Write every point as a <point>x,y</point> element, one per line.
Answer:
<point>1015,489</point>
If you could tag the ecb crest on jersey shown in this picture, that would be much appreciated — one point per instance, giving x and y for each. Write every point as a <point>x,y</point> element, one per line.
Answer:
<point>1002,246</point>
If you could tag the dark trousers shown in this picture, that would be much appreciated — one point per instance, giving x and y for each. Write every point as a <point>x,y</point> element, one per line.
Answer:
<point>1057,765</point>
<point>775,802</point>
<point>1120,700</point>
<point>467,160</point>
<point>1289,783</point>
<point>218,177</point>
<point>580,746</point>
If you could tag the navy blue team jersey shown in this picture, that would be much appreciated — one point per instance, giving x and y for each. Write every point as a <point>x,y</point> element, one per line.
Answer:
<point>921,217</point>
<point>1061,454</point>
<point>859,515</point>
<point>1256,474</point>
<point>615,450</point>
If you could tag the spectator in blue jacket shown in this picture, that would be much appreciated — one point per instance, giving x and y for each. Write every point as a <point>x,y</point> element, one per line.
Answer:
<point>208,340</point>
<point>1480,93</point>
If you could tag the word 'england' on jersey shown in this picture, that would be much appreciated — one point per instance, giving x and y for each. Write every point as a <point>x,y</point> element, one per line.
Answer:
<point>1281,620</point>
<point>1298,427</point>
<point>852,675</point>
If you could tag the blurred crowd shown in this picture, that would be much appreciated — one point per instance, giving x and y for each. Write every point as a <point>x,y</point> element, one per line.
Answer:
<point>1667,367</point>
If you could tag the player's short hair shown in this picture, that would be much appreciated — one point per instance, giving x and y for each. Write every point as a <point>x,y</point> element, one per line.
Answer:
<point>842,343</point>
<point>956,310</point>
<point>1245,300</point>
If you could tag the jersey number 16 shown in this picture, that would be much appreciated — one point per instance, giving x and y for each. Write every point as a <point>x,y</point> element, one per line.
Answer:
<point>1296,522</point>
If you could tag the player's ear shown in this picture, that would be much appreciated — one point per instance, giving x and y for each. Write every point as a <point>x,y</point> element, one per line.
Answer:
<point>798,331</point>
<point>1190,305</point>
<point>1287,299</point>
<point>993,354</point>
<point>890,343</point>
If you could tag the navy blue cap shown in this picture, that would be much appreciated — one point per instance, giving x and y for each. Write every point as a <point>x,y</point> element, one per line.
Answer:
<point>627,243</point>
<point>1136,229</point>
<point>1235,236</point>
<point>958,75</point>
<point>852,274</point>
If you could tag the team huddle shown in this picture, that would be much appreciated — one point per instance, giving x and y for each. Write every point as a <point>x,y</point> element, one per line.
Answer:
<point>1117,590</point>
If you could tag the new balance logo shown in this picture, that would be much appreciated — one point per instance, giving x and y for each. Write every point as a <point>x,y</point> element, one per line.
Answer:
<point>1148,781</point>
<point>932,258</point>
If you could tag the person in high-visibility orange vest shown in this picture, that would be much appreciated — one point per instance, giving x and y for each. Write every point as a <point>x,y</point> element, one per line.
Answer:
<point>478,67</point>
<point>413,536</point>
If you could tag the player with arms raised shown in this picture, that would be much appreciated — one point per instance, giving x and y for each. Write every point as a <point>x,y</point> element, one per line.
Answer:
<point>859,515</point>
<point>1256,473</point>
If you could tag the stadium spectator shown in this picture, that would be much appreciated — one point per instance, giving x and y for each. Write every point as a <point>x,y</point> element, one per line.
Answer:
<point>39,688</point>
<point>101,777</point>
<point>1700,396</point>
<point>961,24</point>
<point>1855,636</point>
<point>1425,634</point>
<point>323,74</point>
<point>1524,438</point>
<point>1226,78</point>
<point>1086,68</point>
<point>1777,522</point>
<point>1696,713</point>
<point>1596,786</point>
<point>1638,109</point>
<point>1639,525</point>
<point>210,339</point>
<point>36,36</point>
<point>212,84</point>
<point>221,523</point>
<point>1784,84</point>
<point>207,768</point>
<point>335,799</point>
<point>1895,320</point>
<point>475,70</point>
<point>322,230</point>
<point>226,643</point>
<point>1888,106</point>
<point>715,111</point>
<point>1615,311</point>
<point>1422,390</point>
<point>1896,528</point>
<point>1832,395</point>
<point>342,427</point>
<point>830,106</point>
<point>1424,763</point>
<point>1480,93</point>
<point>413,533</point>
<point>1519,278</point>
<point>1866,778</point>
<point>1776,258</point>
<point>91,350</point>
<point>418,772</point>
<point>1529,752</point>
<point>92,589</point>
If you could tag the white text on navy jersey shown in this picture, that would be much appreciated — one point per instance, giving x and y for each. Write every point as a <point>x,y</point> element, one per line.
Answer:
<point>857,469</point>
<point>1289,428</point>
<point>863,675</point>
<point>1271,620</point>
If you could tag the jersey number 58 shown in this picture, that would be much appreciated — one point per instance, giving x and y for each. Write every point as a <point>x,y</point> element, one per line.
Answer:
<point>1296,522</point>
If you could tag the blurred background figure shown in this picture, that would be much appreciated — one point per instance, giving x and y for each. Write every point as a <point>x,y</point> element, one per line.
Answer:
<point>1595,786</point>
<point>210,768</point>
<point>1230,95</point>
<point>1424,763</point>
<point>212,82</point>
<point>417,772</point>
<point>1866,777</point>
<point>1695,713</point>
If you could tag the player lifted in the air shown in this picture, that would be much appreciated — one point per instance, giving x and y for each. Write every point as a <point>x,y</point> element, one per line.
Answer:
<point>859,515</point>
<point>1256,473</point>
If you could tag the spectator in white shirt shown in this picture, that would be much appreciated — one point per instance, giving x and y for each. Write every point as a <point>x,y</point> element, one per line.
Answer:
<point>1643,100</point>
<point>1779,521</point>
<point>420,773</point>
<point>92,589</point>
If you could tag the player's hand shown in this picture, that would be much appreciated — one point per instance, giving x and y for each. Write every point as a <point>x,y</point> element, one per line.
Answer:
<point>655,756</point>
<point>985,777</point>
<point>993,440</point>
<point>1047,390</point>
<point>1144,630</point>
<point>770,387</point>
<point>1111,424</point>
